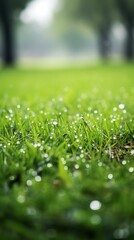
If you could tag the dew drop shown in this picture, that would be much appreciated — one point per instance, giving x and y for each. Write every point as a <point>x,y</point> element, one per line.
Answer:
<point>38,178</point>
<point>76,166</point>
<point>29,183</point>
<point>110,176</point>
<point>95,205</point>
<point>121,106</point>
<point>95,219</point>
<point>132,152</point>
<point>49,165</point>
<point>21,199</point>
<point>124,162</point>
<point>131,169</point>
<point>55,122</point>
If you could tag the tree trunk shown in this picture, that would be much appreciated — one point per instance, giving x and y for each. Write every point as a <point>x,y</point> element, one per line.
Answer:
<point>129,50</point>
<point>128,19</point>
<point>7,32</point>
<point>104,44</point>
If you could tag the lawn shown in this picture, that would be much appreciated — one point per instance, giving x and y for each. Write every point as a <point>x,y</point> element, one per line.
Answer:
<point>67,153</point>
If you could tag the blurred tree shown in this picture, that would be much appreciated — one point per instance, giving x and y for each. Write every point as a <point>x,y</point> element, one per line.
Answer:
<point>8,8</point>
<point>99,14</point>
<point>126,10</point>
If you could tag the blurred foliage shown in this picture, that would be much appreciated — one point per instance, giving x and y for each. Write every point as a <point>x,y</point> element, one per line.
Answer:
<point>19,5</point>
<point>102,15</point>
<point>94,12</point>
<point>126,9</point>
<point>126,6</point>
<point>98,13</point>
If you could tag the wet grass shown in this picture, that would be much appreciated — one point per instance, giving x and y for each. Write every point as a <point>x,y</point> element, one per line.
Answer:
<point>67,153</point>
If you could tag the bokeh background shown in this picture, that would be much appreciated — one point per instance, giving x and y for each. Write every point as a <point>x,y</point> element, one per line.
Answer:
<point>57,31</point>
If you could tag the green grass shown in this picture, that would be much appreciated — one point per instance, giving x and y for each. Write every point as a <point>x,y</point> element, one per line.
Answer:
<point>67,153</point>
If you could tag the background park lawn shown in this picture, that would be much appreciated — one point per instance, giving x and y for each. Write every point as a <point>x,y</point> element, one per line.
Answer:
<point>67,153</point>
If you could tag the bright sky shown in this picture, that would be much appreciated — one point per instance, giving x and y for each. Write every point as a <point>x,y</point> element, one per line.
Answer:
<point>39,11</point>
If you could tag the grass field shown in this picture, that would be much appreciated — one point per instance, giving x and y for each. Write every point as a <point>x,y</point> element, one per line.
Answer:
<point>67,153</point>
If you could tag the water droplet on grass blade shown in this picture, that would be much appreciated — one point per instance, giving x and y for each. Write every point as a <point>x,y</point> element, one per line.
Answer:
<point>132,152</point>
<point>31,211</point>
<point>21,199</point>
<point>95,219</point>
<point>76,166</point>
<point>49,165</point>
<point>29,183</point>
<point>38,178</point>
<point>121,233</point>
<point>95,111</point>
<point>114,109</point>
<point>45,155</point>
<point>18,106</point>
<point>110,176</point>
<point>121,106</point>
<point>87,165</point>
<point>55,122</point>
<point>131,169</point>
<point>66,168</point>
<point>95,205</point>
